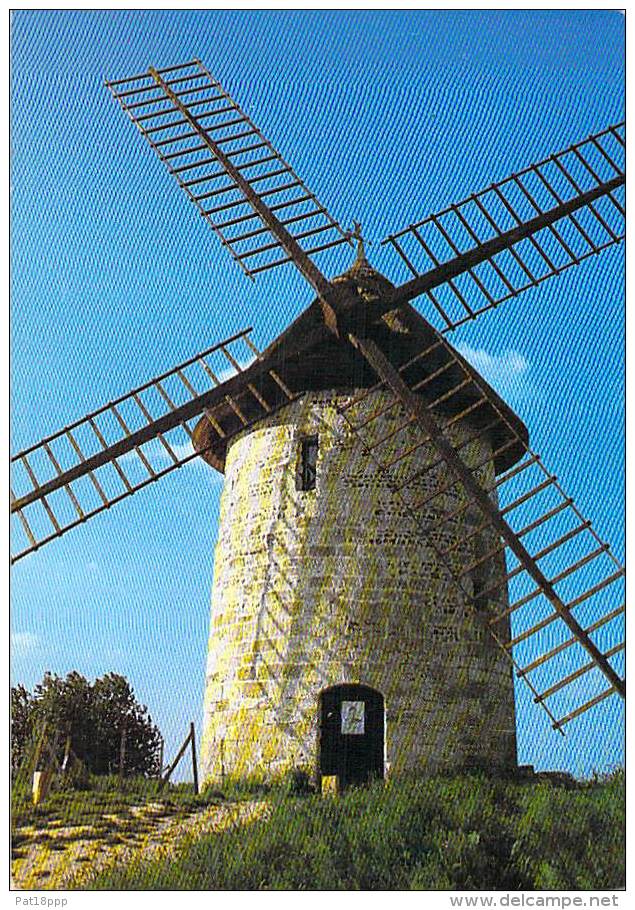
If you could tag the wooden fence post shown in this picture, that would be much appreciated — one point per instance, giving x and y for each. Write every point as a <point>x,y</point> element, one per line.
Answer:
<point>161,748</point>
<point>52,751</point>
<point>39,746</point>
<point>67,755</point>
<point>178,758</point>
<point>194,767</point>
<point>42,779</point>
<point>122,753</point>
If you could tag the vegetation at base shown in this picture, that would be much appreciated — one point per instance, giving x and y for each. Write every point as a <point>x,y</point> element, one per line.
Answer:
<point>98,796</point>
<point>93,716</point>
<point>106,811</point>
<point>88,800</point>
<point>468,832</point>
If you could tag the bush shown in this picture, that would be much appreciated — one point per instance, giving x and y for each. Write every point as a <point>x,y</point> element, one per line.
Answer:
<point>94,716</point>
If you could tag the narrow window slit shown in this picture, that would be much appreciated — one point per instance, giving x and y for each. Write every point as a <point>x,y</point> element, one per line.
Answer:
<point>307,467</point>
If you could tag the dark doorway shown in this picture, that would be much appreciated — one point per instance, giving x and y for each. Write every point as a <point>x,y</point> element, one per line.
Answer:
<point>351,734</point>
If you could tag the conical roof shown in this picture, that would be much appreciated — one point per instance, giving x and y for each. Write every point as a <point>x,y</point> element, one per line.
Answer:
<point>309,358</point>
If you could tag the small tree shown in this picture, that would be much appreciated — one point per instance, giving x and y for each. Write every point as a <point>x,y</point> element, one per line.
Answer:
<point>94,716</point>
<point>21,725</point>
<point>117,709</point>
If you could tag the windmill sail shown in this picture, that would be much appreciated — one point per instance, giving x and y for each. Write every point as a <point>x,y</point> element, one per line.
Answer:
<point>513,235</point>
<point>262,212</point>
<point>131,442</point>
<point>562,627</point>
<point>566,588</point>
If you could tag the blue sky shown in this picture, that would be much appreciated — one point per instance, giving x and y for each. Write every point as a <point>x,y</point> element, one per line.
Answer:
<point>387,116</point>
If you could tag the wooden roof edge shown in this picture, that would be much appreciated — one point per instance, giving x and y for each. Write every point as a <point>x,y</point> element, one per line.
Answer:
<point>305,333</point>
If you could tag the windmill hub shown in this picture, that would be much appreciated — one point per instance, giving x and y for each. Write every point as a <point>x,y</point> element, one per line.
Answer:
<point>364,292</point>
<point>365,276</point>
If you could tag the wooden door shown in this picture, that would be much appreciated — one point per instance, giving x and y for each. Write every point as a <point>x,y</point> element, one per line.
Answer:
<point>351,742</point>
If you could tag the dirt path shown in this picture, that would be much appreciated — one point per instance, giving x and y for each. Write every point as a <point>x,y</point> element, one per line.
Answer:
<point>58,857</point>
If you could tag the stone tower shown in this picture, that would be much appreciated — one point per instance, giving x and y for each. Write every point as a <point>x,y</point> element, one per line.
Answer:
<point>338,645</point>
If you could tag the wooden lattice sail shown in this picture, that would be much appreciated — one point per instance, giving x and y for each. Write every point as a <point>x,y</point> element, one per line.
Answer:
<point>513,235</point>
<point>133,441</point>
<point>566,587</point>
<point>262,212</point>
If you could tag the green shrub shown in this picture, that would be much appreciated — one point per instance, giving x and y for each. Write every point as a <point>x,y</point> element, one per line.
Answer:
<point>93,715</point>
<point>469,832</point>
<point>573,839</point>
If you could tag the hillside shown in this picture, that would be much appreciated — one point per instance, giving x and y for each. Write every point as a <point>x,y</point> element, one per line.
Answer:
<point>468,832</point>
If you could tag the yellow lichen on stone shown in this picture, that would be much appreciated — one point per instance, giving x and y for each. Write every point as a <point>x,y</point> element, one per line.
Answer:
<point>340,585</point>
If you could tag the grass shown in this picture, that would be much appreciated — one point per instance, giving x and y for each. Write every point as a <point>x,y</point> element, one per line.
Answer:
<point>97,804</point>
<point>77,828</point>
<point>469,832</point>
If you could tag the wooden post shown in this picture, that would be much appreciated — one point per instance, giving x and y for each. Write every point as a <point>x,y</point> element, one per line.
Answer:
<point>178,758</point>
<point>161,748</point>
<point>194,768</point>
<point>51,748</point>
<point>122,753</point>
<point>67,754</point>
<point>42,779</point>
<point>38,748</point>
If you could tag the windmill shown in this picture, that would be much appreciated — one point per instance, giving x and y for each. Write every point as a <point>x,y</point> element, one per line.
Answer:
<point>391,549</point>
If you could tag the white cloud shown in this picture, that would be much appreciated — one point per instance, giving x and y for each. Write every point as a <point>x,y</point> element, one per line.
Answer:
<point>180,449</point>
<point>507,372</point>
<point>156,452</point>
<point>160,458</point>
<point>494,366</point>
<point>23,644</point>
<point>230,372</point>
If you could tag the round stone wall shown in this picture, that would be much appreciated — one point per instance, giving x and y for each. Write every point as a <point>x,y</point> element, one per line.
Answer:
<point>340,585</point>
